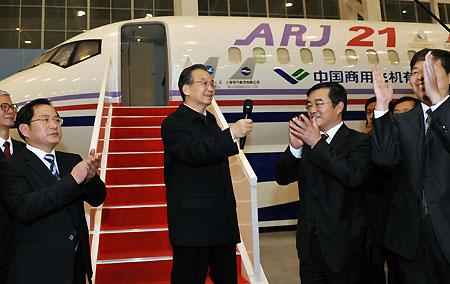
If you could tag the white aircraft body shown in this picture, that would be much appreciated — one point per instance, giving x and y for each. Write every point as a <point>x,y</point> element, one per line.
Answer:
<point>271,61</point>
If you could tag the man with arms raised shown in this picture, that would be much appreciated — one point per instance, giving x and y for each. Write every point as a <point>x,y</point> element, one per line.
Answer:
<point>43,191</point>
<point>418,143</point>
<point>201,207</point>
<point>332,227</point>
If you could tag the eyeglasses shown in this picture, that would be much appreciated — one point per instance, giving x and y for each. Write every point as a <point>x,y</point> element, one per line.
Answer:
<point>317,103</point>
<point>5,107</point>
<point>47,120</point>
<point>205,83</point>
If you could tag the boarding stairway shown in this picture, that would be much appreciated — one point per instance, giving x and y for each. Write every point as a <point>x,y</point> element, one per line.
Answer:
<point>129,232</point>
<point>130,229</point>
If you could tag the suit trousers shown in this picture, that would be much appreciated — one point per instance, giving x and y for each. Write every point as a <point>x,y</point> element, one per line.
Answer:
<point>315,271</point>
<point>79,276</point>
<point>429,265</point>
<point>3,274</point>
<point>190,264</point>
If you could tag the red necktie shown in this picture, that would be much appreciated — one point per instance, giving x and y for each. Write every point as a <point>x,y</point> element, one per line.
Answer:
<point>7,151</point>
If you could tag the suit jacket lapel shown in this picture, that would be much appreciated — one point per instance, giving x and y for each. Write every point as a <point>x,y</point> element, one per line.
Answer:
<point>340,138</point>
<point>63,168</point>
<point>38,166</point>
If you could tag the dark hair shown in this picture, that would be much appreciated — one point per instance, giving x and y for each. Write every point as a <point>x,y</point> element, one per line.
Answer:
<point>405,99</point>
<point>26,113</point>
<point>337,93</point>
<point>443,55</point>
<point>186,76</point>
<point>369,101</point>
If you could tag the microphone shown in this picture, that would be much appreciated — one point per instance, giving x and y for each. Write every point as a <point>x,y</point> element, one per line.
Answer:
<point>246,114</point>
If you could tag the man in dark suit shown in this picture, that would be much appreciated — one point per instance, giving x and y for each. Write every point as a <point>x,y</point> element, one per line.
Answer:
<point>43,191</point>
<point>379,190</point>
<point>8,147</point>
<point>418,143</point>
<point>201,207</point>
<point>332,229</point>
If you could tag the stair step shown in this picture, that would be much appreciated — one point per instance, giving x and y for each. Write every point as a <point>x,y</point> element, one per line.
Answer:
<point>135,195</point>
<point>133,218</point>
<point>134,272</point>
<point>134,145</point>
<point>119,160</point>
<point>135,132</point>
<point>142,111</point>
<point>134,245</point>
<point>138,121</point>
<point>129,176</point>
<point>145,272</point>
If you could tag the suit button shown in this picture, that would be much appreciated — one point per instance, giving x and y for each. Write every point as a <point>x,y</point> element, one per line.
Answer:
<point>71,237</point>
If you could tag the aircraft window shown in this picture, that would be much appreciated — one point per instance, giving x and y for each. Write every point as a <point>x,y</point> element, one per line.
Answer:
<point>259,54</point>
<point>41,59</point>
<point>372,56</point>
<point>234,55</point>
<point>351,56</point>
<point>328,56</point>
<point>393,57</point>
<point>283,55</point>
<point>306,56</point>
<point>411,54</point>
<point>62,55</point>
<point>85,50</point>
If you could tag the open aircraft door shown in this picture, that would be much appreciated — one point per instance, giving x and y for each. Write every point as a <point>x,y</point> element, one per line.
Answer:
<point>144,65</point>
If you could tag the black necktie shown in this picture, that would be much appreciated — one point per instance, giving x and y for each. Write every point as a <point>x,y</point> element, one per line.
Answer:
<point>324,136</point>
<point>428,120</point>
<point>7,151</point>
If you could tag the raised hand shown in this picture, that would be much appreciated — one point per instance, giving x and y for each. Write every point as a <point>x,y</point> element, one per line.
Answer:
<point>384,92</point>
<point>309,131</point>
<point>430,80</point>
<point>294,134</point>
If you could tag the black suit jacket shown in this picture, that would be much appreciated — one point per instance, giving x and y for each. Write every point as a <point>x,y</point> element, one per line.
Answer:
<point>331,200</point>
<point>201,207</point>
<point>5,223</point>
<point>45,213</point>
<point>424,164</point>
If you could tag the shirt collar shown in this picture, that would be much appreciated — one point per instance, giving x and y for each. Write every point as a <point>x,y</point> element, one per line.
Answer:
<point>38,152</point>
<point>2,141</point>
<point>332,131</point>
<point>204,111</point>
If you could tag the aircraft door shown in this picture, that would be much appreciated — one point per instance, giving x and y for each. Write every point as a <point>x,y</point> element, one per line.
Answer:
<point>143,65</point>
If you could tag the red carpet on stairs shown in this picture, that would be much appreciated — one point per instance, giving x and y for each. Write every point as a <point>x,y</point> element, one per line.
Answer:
<point>134,244</point>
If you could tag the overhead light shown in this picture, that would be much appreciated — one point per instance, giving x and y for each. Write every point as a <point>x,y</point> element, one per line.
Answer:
<point>148,15</point>
<point>404,12</point>
<point>139,27</point>
<point>28,41</point>
<point>138,40</point>
<point>17,29</point>
<point>81,13</point>
<point>288,4</point>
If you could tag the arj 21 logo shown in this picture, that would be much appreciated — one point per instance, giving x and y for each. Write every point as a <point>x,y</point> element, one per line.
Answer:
<point>295,77</point>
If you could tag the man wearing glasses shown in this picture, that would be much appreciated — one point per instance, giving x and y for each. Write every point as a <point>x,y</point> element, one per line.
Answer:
<point>43,190</point>
<point>330,162</point>
<point>201,208</point>
<point>8,147</point>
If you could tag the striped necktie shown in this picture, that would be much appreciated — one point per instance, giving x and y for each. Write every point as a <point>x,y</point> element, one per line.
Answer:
<point>51,159</point>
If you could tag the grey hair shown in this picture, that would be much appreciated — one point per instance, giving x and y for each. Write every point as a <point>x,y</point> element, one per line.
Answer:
<point>4,93</point>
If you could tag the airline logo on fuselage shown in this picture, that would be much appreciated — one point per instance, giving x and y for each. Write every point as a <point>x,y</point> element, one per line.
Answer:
<point>246,71</point>
<point>210,69</point>
<point>295,77</point>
